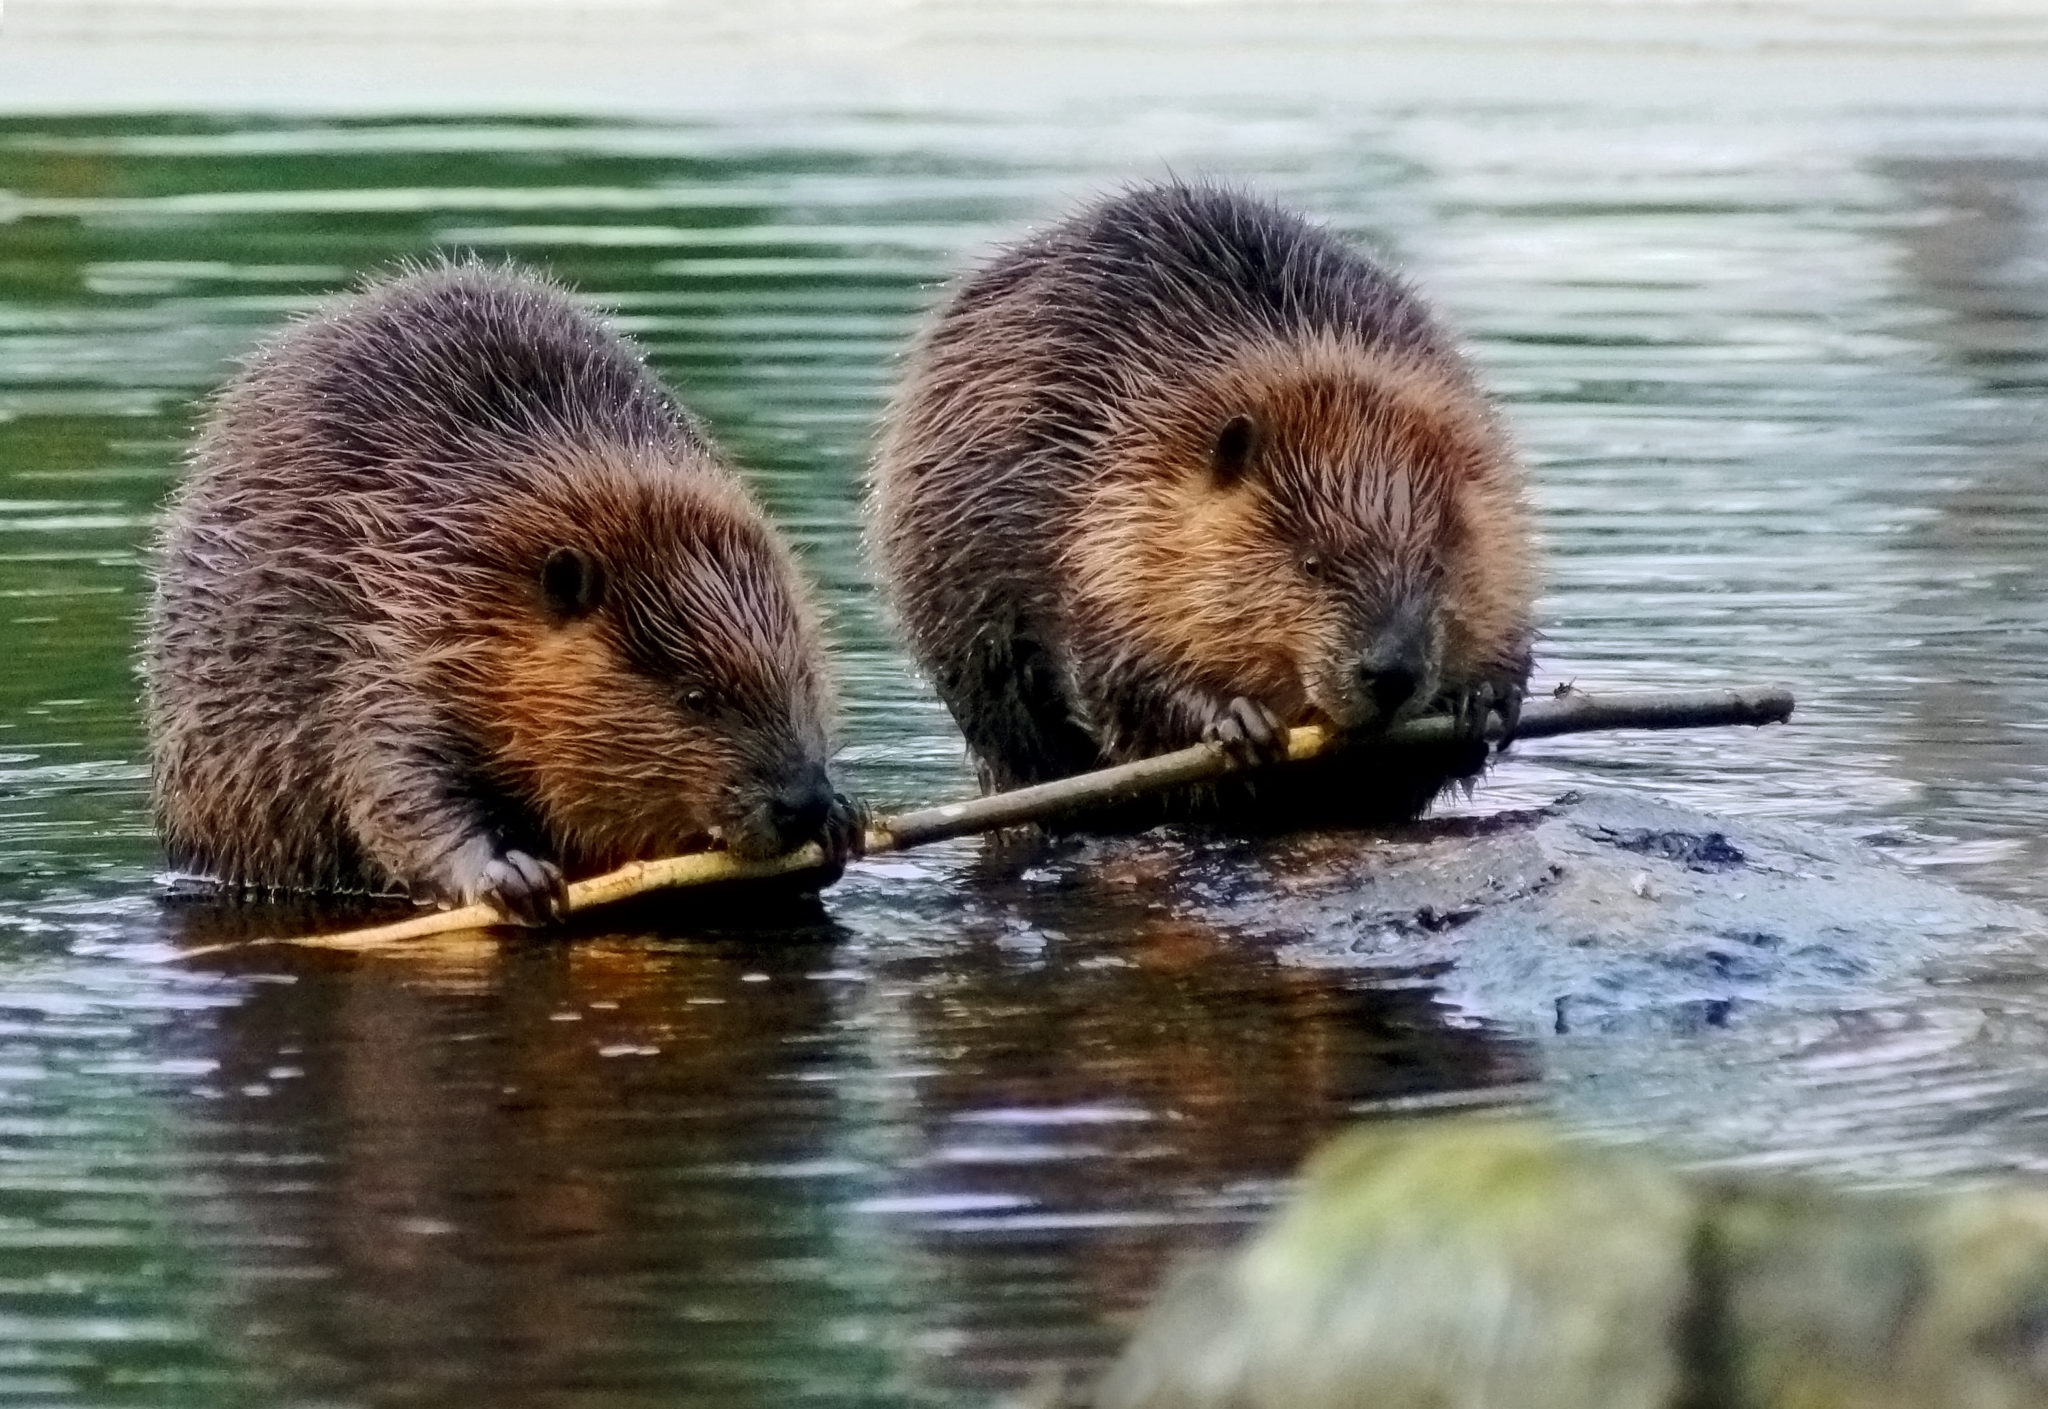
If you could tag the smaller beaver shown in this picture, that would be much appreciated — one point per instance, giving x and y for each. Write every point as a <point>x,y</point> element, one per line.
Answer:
<point>456,599</point>
<point>1187,467</point>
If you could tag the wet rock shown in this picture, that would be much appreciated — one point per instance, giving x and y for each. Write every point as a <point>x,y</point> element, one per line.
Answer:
<point>1491,1263</point>
<point>1608,910</point>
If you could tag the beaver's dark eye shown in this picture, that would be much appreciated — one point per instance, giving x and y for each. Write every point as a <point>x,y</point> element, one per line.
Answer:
<point>696,699</point>
<point>1235,445</point>
<point>572,582</point>
<point>1312,567</point>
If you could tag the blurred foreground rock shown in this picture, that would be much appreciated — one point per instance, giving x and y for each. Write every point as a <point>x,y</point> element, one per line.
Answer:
<point>1489,1264</point>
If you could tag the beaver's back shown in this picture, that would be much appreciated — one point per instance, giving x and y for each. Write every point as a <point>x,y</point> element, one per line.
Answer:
<point>326,520</point>
<point>432,384</point>
<point>1034,358</point>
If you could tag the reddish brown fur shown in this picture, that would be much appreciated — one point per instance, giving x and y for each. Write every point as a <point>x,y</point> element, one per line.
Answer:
<point>1083,580</point>
<point>361,675</point>
<point>1199,578</point>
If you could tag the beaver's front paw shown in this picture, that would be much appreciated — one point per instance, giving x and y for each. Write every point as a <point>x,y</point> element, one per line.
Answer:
<point>844,835</point>
<point>1507,703</point>
<point>1246,730</point>
<point>525,889</point>
<point>1474,709</point>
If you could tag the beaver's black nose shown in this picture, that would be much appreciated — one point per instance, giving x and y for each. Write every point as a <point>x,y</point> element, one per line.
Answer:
<point>799,808</point>
<point>1390,688</point>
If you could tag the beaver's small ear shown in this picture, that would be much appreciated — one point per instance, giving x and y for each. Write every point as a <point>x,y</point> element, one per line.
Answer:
<point>573,583</point>
<point>1236,443</point>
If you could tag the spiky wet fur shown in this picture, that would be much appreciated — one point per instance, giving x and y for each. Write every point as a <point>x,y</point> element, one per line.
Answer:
<point>354,678</point>
<point>1072,574</point>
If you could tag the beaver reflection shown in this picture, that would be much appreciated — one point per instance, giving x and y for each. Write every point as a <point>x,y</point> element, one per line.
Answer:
<point>1977,255</point>
<point>498,1172</point>
<point>952,1145</point>
<point>1110,1078</point>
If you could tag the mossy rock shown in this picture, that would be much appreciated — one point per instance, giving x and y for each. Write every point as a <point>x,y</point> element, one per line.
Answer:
<point>1491,1264</point>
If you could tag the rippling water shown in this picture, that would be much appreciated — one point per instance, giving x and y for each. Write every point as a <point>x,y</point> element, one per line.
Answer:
<point>1780,383</point>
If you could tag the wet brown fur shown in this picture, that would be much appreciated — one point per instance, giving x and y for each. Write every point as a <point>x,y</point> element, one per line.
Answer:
<point>1083,586</point>
<point>357,678</point>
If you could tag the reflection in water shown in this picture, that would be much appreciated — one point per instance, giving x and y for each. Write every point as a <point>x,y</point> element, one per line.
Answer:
<point>498,1174</point>
<point>1978,253</point>
<point>776,1168</point>
<point>1779,380</point>
<point>1106,1076</point>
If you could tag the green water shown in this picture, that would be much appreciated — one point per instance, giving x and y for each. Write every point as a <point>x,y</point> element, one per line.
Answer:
<point>1780,385</point>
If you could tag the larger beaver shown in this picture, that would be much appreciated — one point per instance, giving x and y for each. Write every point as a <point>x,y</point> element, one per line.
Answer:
<point>456,597</point>
<point>1186,466</point>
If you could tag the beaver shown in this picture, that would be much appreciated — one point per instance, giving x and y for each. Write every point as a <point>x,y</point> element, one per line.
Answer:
<point>1186,466</point>
<point>456,599</point>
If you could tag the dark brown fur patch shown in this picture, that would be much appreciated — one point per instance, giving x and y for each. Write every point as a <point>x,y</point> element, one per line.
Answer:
<point>1080,578</point>
<point>355,676</point>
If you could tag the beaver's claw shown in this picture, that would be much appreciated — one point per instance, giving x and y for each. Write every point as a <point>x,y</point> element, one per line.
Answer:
<point>844,836</point>
<point>1508,705</point>
<point>1472,710</point>
<point>1247,731</point>
<point>524,889</point>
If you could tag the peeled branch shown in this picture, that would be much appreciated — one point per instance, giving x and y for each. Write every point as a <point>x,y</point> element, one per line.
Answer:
<point>1570,711</point>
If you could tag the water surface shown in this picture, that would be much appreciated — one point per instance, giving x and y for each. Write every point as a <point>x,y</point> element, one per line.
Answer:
<point>1780,383</point>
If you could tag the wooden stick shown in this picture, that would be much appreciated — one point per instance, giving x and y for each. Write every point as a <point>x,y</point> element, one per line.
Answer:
<point>1569,712</point>
<point>635,878</point>
<point>1572,713</point>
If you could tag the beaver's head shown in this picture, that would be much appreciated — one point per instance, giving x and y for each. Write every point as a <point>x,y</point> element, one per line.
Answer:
<point>649,677</point>
<point>1336,532</point>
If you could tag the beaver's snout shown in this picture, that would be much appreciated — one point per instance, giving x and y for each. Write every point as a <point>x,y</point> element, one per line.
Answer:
<point>797,811</point>
<point>1392,675</point>
<point>798,807</point>
<point>1388,687</point>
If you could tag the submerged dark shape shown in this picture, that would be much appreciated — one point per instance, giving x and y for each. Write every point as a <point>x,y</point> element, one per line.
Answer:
<point>1186,466</point>
<point>456,598</point>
